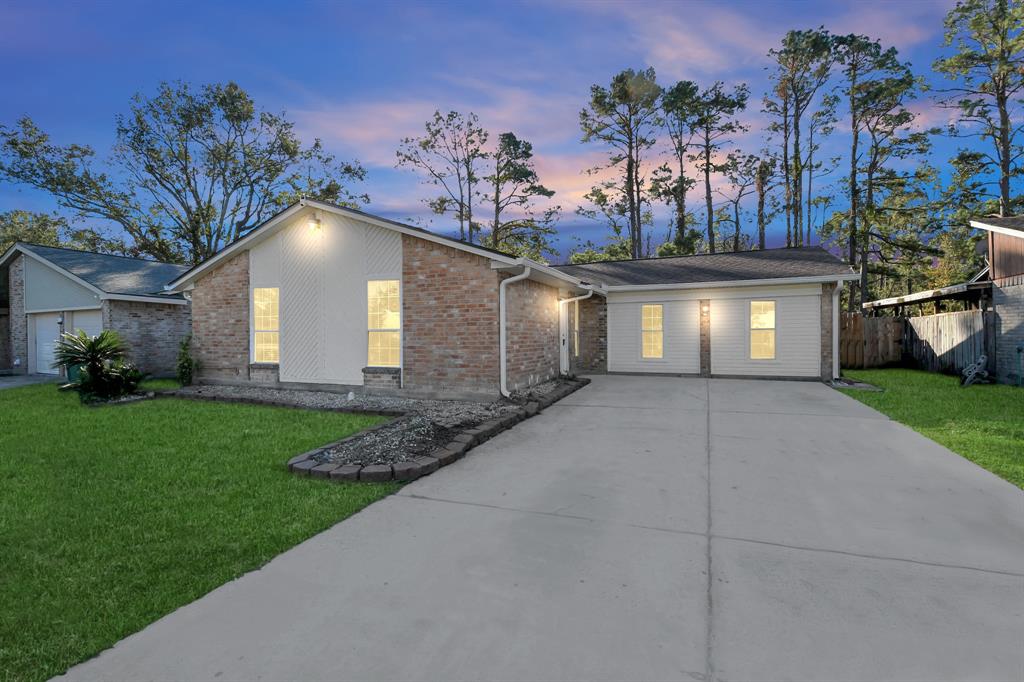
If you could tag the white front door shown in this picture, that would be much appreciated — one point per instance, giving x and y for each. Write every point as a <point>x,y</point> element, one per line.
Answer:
<point>563,338</point>
<point>47,333</point>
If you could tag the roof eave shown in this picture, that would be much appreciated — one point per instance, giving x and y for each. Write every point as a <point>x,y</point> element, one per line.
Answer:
<point>811,279</point>
<point>982,225</point>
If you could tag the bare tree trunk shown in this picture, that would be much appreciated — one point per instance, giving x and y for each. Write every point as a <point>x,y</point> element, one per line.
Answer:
<point>810,179</point>
<point>855,139</point>
<point>786,171</point>
<point>798,174</point>
<point>736,234</point>
<point>1004,155</point>
<point>760,212</point>
<point>707,191</point>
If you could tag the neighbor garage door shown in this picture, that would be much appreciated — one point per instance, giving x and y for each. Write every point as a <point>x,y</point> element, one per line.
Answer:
<point>46,331</point>
<point>89,321</point>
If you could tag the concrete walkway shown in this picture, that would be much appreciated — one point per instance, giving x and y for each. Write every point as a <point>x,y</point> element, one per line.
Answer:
<point>642,529</point>
<point>16,380</point>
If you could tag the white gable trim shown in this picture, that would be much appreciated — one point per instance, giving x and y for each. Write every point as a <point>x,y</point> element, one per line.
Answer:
<point>819,279</point>
<point>995,228</point>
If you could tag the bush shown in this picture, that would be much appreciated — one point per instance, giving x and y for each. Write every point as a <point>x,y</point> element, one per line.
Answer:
<point>187,365</point>
<point>103,372</point>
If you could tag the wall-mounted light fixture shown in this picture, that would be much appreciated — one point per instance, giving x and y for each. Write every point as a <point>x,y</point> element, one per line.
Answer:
<point>705,308</point>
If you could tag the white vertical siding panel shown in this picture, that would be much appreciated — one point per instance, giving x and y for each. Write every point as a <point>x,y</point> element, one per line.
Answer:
<point>302,304</point>
<point>383,253</point>
<point>681,348</point>
<point>797,337</point>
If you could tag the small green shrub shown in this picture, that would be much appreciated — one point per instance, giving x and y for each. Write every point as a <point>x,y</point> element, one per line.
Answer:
<point>187,365</point>
<point>103,373</point>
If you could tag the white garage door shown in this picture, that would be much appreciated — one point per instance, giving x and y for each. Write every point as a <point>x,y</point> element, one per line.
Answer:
<point>46,329</point>
<point>89,321</point>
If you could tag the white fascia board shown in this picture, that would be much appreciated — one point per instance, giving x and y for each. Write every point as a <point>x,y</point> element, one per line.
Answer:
<point>995,228</point>
<point>549,275</point>
<point>822,279</point>
<point>166,300</point>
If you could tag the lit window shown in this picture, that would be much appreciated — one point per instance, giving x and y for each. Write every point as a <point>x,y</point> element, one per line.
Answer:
<point>652,331</point>
<point>266,325</point>
<point>384,322</point>
<point>762,330</point>
<point>576,330</point>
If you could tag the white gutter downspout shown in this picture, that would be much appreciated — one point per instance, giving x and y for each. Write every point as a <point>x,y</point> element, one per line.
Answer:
<point>560,304</point>
<point>502,328</point>
<point>835,328</point>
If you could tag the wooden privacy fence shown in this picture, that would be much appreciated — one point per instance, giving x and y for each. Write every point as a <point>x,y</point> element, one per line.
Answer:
<point>869,341</point>
<point>946,342</point>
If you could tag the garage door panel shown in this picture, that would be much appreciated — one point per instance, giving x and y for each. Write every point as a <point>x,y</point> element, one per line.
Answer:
<point>797,337</point>
<point>89,321</point>
<point>45,332</point>
<point>681,338</point>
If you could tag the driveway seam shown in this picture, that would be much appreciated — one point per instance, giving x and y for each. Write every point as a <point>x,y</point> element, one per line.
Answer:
<point>709,666</point>
<point>881,417</point>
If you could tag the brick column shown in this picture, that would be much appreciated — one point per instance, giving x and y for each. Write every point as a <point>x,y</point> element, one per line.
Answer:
<point>705,337</point>
<point>18,319</point>
<point>826,331</point>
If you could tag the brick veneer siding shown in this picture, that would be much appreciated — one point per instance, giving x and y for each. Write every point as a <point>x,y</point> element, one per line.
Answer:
<point>1008,302</point>
<point>220,321</point>
<point>151,331</point>
<point>533,341</point>
<point>826,331</point>
<point>593,357</point>
<point>449,319</point>
<point>5,339</point>
<point>18,319</point>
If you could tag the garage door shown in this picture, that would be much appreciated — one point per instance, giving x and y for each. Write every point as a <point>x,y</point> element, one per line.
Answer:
<point>46,329</point>
<point>88,321</point>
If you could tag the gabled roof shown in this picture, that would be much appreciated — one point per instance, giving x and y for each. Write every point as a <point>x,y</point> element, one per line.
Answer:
<point>1012,226</point>
<point>809,263</point>
<point>107,274</point>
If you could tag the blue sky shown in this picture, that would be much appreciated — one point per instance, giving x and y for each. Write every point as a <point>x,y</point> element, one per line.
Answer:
<point>362,76</point>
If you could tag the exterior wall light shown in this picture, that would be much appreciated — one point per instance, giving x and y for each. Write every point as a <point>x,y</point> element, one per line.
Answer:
<point>705,308</point>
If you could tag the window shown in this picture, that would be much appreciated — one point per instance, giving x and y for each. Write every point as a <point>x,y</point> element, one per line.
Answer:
<point>652,331</point>
<point>266,325</point>
<point>576,329</point>
<point>762,330</point>
<point>384,321</point>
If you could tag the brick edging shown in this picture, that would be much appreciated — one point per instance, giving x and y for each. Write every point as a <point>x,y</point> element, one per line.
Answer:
<point>461,443</point>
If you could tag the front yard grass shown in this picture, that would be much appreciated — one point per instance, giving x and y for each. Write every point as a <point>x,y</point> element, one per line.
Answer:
<point>112,517</point>
<point>984,423</point>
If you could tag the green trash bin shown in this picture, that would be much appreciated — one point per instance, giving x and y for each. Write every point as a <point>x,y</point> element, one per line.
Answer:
<point>73,372</point>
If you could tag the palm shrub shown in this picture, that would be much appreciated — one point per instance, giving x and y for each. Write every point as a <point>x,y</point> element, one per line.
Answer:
<point>103,372</point>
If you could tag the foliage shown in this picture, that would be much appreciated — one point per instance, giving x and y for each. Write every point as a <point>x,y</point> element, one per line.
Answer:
<point>670,182</point>
<point>192,170</point>
<point>624,117</point>
<point>115,516</point>
<point>983,423</point>
<point>616,248</point>
<point>449,154</point>
<point>186,366</point>
<point>103,373</point>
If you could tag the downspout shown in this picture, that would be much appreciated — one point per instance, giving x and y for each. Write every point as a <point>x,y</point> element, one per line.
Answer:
<point>503,329</point>
<point>836,292</point>
<point>560,304</point>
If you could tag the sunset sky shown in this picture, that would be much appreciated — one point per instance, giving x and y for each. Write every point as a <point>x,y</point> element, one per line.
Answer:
<point>362,76</point>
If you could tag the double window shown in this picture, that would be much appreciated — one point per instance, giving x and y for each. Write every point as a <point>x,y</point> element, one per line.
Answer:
<point>652,331</point>
<point>266,325</point>
<point>384,323</point>
<point>762,330</point>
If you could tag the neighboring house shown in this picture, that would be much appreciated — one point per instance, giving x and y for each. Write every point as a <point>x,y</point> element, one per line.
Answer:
<point>771,313</point>
<point>1006,272</point>
<point>329,297</point>
<point>52,290</point>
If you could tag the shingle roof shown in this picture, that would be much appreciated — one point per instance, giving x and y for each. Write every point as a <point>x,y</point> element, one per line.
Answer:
<point>112,274</point>
<point>808,261</point>
<point>1013,223</point>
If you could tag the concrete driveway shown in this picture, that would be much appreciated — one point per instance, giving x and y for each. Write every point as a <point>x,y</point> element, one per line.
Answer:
<point>641,529</point>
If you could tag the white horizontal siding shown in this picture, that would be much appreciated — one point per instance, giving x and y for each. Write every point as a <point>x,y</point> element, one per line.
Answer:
<point>797,337</point>
<point>681,337</point>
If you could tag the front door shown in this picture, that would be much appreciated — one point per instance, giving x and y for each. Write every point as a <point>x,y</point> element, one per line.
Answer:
<point>47,333</point>
<point>563,338</point>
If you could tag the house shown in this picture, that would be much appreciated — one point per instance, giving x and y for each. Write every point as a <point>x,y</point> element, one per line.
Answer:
<point>1006,274</point>
<point>53,290</point>
<point>321,296</point>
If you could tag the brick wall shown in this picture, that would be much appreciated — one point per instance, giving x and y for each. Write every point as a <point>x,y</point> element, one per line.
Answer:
<point>593,358</point>
<point>151,331</point>
<point>5,339</point>
<point>533,341</point>
<point>826,331</point>
<point>1008,302</point>
<point>18,320</point>
<point>220,321</point>
<point>449,319</point>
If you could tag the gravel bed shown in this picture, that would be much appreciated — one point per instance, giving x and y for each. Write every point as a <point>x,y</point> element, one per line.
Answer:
<point>428,424</point>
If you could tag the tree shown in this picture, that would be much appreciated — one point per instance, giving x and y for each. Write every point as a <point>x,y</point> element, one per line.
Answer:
<point>192,170</point>
<point>679,113</point>
<point>803,66</point>
<point>742,173</point>
<point>988,67</point>
<point>51,230</point>
<point>513,187</point>
<point>823,123</point>
<point>762,186</point>
<point>450,154</point>
<point>624,117</point>
<point>713,123</point>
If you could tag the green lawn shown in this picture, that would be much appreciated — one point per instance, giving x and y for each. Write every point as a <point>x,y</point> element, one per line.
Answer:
<point>984,423</point>
<point>111,517</point>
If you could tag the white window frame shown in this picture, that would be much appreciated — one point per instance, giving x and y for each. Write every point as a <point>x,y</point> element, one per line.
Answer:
<point>253,330</point>
<point>401,320</point>
<point>774,329</point>
<point>662,331</point>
